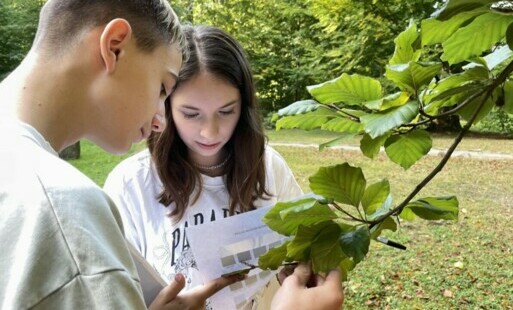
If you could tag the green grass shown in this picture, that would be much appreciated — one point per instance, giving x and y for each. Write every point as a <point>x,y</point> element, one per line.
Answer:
<point>472,142</point>
<point>471,260</point>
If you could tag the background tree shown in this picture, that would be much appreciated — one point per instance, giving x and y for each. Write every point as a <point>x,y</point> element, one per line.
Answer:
<point>18,24</point>
<point>295,43</point>
<point>470,79</point>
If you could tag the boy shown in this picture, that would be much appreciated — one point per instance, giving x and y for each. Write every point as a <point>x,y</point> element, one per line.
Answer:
<point>101,70</point>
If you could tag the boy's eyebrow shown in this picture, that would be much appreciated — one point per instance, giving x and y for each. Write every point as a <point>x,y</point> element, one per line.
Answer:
<point>225,106</point>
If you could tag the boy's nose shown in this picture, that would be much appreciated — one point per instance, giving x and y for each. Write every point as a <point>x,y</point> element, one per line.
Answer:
<point>158,123</point>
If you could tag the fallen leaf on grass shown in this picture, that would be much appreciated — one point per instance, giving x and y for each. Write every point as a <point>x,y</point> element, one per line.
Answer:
<point>448,294</point>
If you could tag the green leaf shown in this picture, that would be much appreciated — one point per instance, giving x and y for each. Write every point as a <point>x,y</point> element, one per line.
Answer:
<point>407,149</point>
<point>356,243</point>
<point>370,147</point>
<point>343,183</point>
<point>508,97</point>
<point>345,266</point>
<point>455,89</point>
<point>299,247</point>
<point>395,100</point>
<point>436,31</point>
<point>350,89</point>
<point>412,76</point>
<point>498,56</point>
<point>377,124</point>
<point>480,35</point>
<point>468,110</point>
<point>326,253</point>
<point>454,7</point>
<point>407,214</point>
<point>381,210</point>
<point>273,218</point>
<point>509,36</point>
<point>388,223</point>
<point>435,208</point>
<point>335,141</point>
<point>299,107</point>
<point>274,257</point>
<point>308,121</point>
<point>404,49</point>
<point>375,195</point>
<point>307,214</point>
<point>389,101</point>
<point>464,90</point>
<point>342,124</point>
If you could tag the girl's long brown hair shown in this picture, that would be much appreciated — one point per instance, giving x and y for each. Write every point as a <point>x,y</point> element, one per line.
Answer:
<point>212,50</point>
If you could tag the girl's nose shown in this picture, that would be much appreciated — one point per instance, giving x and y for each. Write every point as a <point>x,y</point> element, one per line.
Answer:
<point>210,129</point>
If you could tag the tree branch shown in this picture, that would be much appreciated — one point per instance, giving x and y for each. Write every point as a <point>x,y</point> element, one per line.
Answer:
<point>487,93</point>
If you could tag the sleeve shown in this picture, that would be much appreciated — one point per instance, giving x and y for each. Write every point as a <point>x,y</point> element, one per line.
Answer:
<point>286,185</point>
<point>112,290</point>
<point>115,186</point>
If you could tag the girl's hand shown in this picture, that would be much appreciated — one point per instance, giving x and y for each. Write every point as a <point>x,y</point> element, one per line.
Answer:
<point>306,291</point>
<point>170,297</point>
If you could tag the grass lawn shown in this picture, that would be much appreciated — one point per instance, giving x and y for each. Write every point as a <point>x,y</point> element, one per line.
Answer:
<point>448,265</point>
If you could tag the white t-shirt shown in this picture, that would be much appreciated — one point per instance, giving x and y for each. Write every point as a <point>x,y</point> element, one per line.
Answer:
<point>134,185</point>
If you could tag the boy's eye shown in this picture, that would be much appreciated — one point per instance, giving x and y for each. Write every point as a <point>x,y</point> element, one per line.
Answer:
<point>163,90</point>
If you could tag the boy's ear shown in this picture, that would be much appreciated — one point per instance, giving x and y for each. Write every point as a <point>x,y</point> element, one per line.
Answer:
<point>113,41</point>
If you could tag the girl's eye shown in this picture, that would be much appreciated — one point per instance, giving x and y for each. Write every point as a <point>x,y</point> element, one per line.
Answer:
<point>226,112</point>
<point>189,115</point>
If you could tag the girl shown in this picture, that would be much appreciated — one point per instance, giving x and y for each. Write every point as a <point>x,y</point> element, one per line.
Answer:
<point>210,162</point>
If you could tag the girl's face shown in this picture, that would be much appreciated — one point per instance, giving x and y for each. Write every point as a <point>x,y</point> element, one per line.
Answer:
<point>205,111</point>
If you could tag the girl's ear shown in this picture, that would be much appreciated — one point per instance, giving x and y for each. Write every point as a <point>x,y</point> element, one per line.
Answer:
<point>113,41</point>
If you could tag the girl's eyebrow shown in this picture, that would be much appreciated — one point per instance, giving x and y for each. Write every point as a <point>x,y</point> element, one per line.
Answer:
<point>223,107</point>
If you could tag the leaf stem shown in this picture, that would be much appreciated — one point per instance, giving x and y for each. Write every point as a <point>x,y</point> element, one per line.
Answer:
<point>352,217</point>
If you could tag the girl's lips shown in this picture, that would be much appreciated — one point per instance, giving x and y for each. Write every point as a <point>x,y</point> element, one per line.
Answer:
<point>208,146</point>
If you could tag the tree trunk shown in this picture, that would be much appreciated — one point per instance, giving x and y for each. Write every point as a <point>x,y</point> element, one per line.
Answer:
<point>71,152</point>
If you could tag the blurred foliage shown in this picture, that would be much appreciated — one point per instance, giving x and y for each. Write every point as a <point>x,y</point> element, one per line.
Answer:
<point>295,43</point>
<point>290,43</point>
<point>18,24</point>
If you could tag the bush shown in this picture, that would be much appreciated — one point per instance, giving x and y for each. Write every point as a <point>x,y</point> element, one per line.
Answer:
<point>497,121</point>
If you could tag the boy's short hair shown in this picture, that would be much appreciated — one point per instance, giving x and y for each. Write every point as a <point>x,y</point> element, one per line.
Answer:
<point>62,22</point>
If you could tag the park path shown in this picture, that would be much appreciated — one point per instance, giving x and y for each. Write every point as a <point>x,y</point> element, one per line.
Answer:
<point>434,152</point>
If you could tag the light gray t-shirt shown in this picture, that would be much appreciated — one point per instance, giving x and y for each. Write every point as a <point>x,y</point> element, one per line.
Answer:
<point>61,242</point>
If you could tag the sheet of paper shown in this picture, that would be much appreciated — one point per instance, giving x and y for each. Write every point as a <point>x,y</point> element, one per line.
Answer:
<point>151,282</point>
<point>221,246</point>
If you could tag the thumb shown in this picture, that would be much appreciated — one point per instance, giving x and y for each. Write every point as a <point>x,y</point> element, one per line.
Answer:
<point>172,290</point>
<point>210,288</point>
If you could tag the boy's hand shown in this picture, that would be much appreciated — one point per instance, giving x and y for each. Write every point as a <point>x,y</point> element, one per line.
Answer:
<point>170,297</point>
<point>304,290</point>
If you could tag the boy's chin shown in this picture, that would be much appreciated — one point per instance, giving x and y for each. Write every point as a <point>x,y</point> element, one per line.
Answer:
<point>116,147</point>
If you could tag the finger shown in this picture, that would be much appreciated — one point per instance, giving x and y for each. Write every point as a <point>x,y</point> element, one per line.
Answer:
<point>334,278</point>
<point>208,289</point>
<point>319,280</point>
<point>171,291</point>
<point>284,273</point>
<point>302,274</point>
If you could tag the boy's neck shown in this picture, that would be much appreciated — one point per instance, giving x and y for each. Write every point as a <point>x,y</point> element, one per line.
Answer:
<point>47,96</point>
